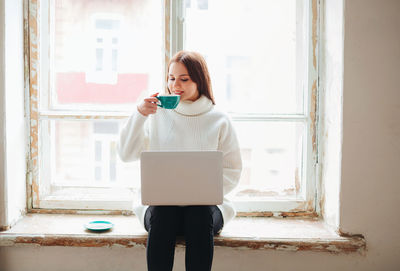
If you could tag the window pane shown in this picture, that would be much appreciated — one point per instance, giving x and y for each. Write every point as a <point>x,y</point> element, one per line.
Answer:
<point>83,153</point>
<point>106,54</point>
<point>272,159</point>
<point>99,59</point>
<point>255,52</point>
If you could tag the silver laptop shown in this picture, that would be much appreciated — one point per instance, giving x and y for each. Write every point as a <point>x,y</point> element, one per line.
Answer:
<point>181,178</point>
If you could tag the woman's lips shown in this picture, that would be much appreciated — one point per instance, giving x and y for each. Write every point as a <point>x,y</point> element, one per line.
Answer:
<point>178,92</point>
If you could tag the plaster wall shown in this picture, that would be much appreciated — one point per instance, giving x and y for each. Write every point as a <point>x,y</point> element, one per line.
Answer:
<point>3,195</point>
<point>371,129</point>
<point>15,113</point>
<point>13,124</point>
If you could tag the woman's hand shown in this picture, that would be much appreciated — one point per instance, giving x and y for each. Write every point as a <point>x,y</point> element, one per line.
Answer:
<point>148,106</point>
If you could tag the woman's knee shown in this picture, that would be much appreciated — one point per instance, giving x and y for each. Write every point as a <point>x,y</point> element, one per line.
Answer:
<point>164,216</point>
<point>198,217</point>
<point>199,211</point>
<point>203,219</point>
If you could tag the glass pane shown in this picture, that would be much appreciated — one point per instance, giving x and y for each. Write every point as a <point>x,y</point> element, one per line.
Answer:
<point>255,52</point>
<point>272,159</point>
<point>105,54</point>
<point>83,153</point>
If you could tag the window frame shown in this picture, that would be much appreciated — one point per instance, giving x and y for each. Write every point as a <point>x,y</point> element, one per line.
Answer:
<point>308,204</point>
<point>173,38</point>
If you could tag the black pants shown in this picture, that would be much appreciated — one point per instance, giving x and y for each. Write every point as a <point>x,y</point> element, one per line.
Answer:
<point>198,225</point>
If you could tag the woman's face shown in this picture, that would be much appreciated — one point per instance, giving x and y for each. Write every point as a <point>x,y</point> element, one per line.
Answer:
<point>179,82</point>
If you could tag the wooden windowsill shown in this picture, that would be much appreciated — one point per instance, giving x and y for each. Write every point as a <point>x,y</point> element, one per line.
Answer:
<point>287,234</point>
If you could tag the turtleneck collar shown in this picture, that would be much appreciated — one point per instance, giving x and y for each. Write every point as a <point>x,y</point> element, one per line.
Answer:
<point>200,106</point>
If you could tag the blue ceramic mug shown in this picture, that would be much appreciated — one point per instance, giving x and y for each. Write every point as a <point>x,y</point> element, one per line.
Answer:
<point>168,101</point>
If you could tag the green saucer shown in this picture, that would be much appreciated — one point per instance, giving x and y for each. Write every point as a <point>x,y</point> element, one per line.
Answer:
<point>99,225</point>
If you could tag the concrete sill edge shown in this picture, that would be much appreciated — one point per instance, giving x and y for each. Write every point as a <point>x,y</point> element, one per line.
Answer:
<point>242,233</point>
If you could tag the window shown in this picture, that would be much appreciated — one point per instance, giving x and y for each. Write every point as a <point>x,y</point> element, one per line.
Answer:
<point>262,71</point>
<point>98,57</point>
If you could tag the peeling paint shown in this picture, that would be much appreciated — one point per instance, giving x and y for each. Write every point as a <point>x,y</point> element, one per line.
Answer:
<point>33,57</point>
<point>287,248</point>
<point>80,241</point>
<point>349,235</point>
<point>322,201</point>
<point>4,228</point>
<point>80,212</point>
<point>332,246</point>
<point>297,180</point>
<point>346,244</point>
<point>314,31</point>
<point>255,214</point>
<point>7,242</point>
<point>27,90</point>
<point>310,205</point>
<point>298,214</point>
<point>313,113</point>
<point>277,214</point>
<point>335,244</point>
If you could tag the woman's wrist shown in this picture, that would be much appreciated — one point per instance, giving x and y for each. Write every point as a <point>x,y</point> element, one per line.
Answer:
<point>140,111</point>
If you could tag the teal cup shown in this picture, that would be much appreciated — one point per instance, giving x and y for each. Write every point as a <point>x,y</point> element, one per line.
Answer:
<point>168,101</point>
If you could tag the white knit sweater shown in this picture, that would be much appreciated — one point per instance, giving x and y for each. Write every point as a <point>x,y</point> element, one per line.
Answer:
<point>189,127</point>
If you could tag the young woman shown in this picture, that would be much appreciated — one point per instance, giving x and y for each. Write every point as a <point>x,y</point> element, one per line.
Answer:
<point>195,124</point>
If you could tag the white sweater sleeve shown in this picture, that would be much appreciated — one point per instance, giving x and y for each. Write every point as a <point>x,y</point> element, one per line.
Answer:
<point>232,161</point>
<point>133,138</point>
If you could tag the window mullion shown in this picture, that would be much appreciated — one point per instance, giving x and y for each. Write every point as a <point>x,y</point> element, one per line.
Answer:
<point>177,18</point>
<point>45,30</point>
<point>251,117</point>
<point>83,115</point>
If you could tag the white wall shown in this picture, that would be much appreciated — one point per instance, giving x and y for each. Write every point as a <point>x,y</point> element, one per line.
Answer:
<point>15,116</point>
<point>371,139</point>
<point>3,197</point>
<point>370,177</point>
<point>13,136</point>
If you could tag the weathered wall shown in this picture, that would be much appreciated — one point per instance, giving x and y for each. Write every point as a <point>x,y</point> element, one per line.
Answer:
<point>3,213</point>
<point>14,145</point>
<point>369,199</point>
<point>371,129</point>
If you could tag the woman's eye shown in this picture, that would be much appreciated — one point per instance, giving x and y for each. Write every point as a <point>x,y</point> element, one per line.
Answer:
<point>171,79</point>
<point>184,80</point>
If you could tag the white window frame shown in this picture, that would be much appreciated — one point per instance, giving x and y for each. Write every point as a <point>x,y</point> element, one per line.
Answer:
<point>39,190</point>
<point>307,202</point>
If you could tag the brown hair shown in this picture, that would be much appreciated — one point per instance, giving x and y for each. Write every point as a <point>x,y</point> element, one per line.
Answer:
<point>197,69</point>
